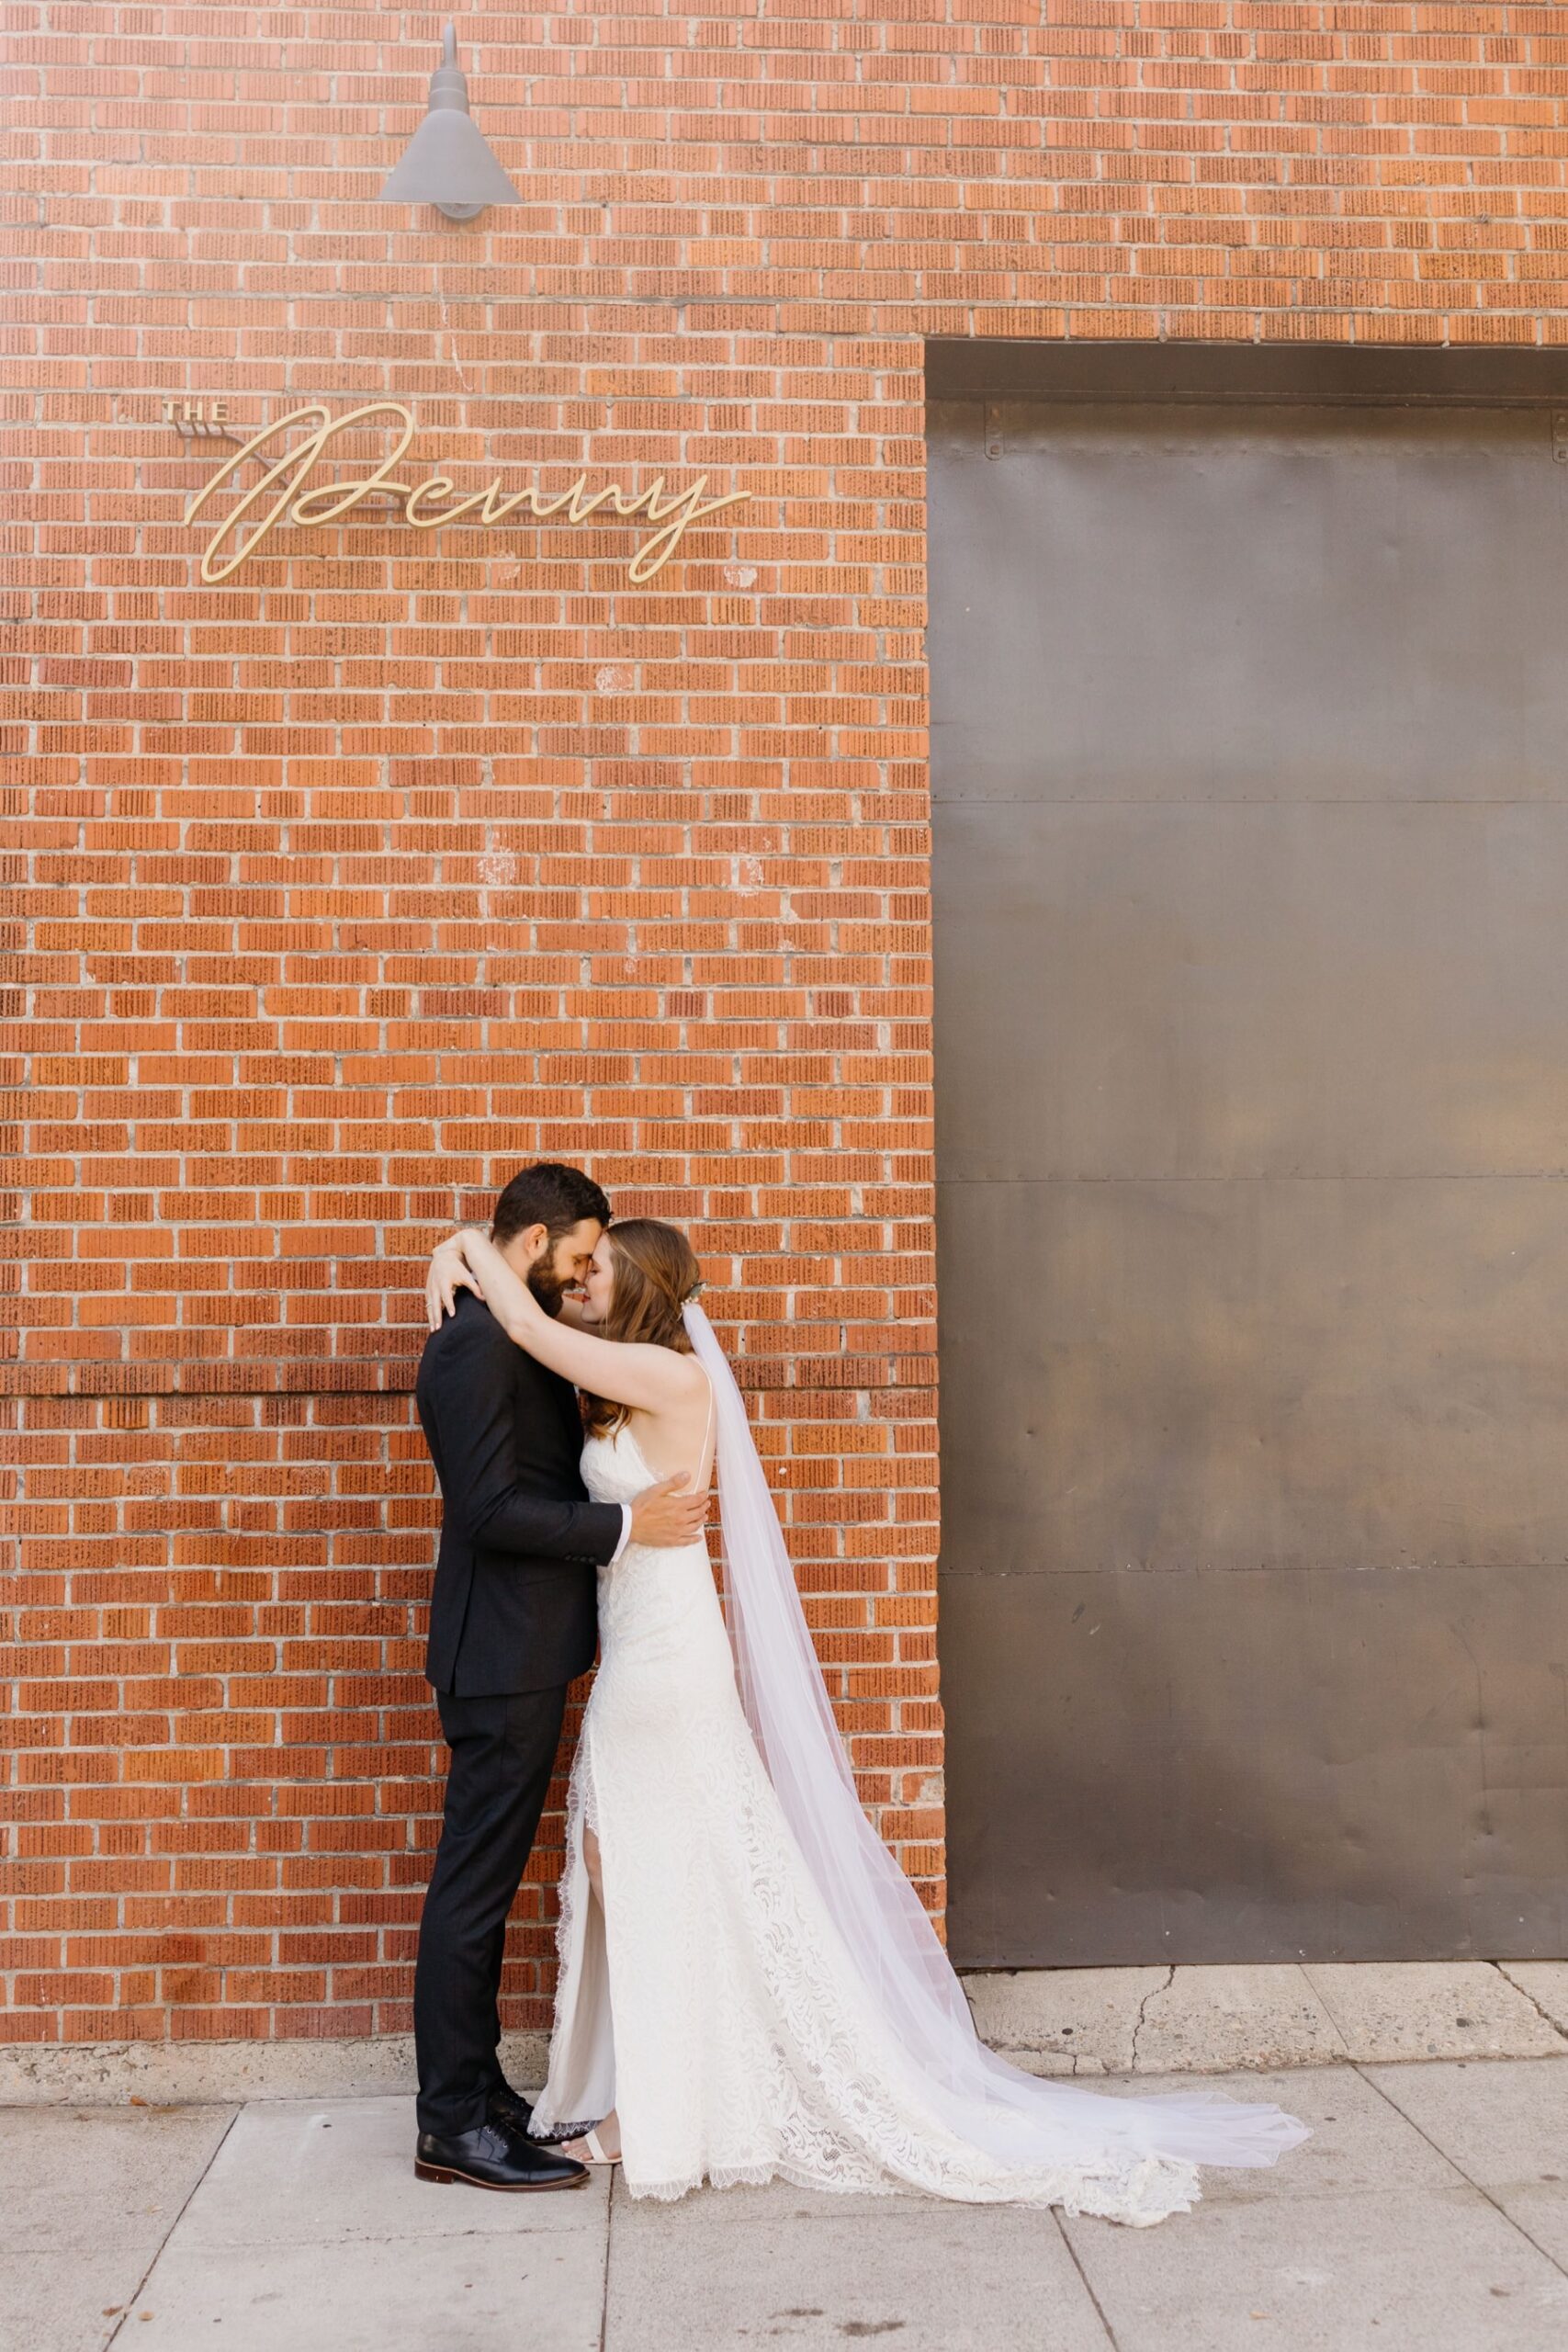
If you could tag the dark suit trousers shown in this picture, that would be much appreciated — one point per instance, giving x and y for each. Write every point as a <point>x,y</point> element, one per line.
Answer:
<point>502,1749</point>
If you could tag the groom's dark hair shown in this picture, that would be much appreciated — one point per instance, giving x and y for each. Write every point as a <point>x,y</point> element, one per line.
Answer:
<point>551,1195</point>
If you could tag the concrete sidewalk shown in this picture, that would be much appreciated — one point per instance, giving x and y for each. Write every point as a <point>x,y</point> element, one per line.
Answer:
<point>1429,2213</point>
<point>1082,2021</point>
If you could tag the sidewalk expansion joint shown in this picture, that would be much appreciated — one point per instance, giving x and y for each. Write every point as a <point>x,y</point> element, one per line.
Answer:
<point>1545,2014</point>
<point>134,2299</point>
<point>1479,2186</point>
<point>1087,2282</point>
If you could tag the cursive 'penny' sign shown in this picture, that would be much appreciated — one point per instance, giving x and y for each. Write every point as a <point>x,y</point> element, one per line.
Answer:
<point>289,491</point>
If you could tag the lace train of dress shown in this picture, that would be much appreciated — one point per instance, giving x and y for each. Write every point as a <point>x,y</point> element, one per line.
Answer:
<point>711,2000</point>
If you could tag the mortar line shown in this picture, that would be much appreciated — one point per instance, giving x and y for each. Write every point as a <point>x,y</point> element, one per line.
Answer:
<point>1479,2186</point>
<point>131,2301</point>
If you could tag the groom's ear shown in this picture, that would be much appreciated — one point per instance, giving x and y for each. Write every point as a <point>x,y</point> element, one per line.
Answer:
<point>521,1249</point>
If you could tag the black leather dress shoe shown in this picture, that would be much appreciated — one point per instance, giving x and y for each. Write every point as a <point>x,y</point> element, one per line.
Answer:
<point>493,2157</point>
<point>508,2107</point>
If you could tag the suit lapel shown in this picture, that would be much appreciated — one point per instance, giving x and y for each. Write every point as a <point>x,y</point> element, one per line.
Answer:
<point>546,1392</point>
<point>572,1419</point>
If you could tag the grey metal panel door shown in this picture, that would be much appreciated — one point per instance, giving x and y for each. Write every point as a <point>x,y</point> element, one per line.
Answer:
<point>1250,774</point>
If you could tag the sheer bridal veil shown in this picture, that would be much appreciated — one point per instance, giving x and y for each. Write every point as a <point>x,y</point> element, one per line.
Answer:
<point>1016,2119</point>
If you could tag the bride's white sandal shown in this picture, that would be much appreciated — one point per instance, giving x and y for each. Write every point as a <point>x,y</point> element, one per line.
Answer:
<point>595,2148</point>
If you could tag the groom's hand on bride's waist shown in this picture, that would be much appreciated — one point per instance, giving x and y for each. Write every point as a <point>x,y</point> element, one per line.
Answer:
<point>669,1513</point>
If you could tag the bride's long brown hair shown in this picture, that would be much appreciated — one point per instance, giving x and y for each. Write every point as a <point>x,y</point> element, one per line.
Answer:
<point>656,1270</point>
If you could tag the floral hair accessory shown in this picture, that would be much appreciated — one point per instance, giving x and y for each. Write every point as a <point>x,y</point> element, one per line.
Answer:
<point>698,1285</point>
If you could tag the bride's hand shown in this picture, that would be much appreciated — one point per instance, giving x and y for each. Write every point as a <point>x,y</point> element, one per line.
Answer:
<point>449,1275</point>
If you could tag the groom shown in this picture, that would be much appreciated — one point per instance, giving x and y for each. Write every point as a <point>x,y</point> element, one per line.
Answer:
<point>512,1622</point>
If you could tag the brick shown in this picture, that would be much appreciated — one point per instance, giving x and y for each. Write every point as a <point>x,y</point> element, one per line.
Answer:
<point>399,858</point>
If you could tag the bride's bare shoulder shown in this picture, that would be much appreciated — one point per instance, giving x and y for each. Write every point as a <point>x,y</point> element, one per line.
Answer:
<point>691,1380</point>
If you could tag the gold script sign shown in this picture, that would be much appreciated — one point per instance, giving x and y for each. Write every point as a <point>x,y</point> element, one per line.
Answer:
<point>290,477</point>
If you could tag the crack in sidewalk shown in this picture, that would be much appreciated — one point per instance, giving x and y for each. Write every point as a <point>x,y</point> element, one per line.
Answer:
<point>1152,1993</point>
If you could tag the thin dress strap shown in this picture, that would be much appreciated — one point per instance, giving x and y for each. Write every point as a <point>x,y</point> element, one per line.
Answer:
<point>702,1449</point>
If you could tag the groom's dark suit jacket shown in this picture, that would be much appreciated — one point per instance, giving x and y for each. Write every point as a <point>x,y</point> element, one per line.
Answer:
<point>514,1601</point>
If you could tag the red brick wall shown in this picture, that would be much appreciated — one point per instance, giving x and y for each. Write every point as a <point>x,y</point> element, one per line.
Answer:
<point>398,859</point>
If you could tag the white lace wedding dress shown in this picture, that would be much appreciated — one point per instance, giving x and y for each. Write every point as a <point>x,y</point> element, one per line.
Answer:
<point>712,2002</point>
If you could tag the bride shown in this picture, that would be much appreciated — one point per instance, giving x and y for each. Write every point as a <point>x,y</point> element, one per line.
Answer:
<point>749,1988</point>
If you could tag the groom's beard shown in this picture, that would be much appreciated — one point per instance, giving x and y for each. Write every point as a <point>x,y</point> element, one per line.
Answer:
<point>549,1287</point>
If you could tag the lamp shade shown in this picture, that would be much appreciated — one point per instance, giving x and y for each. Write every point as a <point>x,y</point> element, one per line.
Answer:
<point>447,163</point>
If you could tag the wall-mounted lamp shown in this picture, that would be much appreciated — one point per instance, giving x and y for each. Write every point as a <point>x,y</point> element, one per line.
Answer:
<point>447,163</point>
